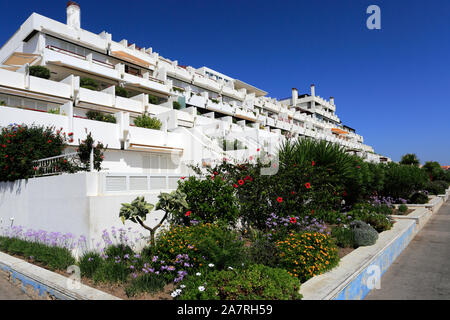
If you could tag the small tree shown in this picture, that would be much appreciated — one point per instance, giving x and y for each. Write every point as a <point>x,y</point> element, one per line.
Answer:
<point>84,150</point>
<point>410,159</point>
<point>137,210</point>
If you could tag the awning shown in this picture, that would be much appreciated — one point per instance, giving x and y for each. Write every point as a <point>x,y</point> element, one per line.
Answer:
<point>338,131</point>
<point>130,58</point>
<point>158,149</point>
<point>19,59</point>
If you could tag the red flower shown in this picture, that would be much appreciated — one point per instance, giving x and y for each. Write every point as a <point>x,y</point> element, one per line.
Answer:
<point>307,185</point>
<point>188,214</point>
<point>280,199</point>
<point>344,193</point>
<point>65,161</point>
<point>182,178</point>
<point>6,156</point>
<point>241,182</point>
<point>235,185</point>
<point>49,141</point>
<point>257,149</point>
<point>216,173</point>
<point>70,133</point>
<point>4,145</point>
<point>293,220</point>
<point>313,163</point>
<point>292,192</point>
<point>312,211</point>
<point>250,158</point>
<point>34,168</point>
<point>212,177</point>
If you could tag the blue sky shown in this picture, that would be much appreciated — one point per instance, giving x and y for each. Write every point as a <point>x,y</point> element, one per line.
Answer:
<point>392,85</point>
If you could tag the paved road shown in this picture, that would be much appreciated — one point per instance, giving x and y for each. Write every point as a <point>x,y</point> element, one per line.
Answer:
<point>10,292</point>
<point>422,270</point>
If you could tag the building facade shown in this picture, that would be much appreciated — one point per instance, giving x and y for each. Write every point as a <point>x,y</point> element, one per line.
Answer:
<point>206,115</point>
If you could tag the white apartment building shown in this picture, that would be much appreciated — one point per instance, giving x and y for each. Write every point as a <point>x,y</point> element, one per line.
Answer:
<point>211,107</point>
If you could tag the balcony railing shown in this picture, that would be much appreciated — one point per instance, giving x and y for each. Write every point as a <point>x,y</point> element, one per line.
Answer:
<point>70,53</point>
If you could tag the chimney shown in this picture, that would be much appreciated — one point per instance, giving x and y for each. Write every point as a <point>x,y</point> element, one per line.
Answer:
<point>313,90</point>
<point>73,14</point>
<point>332,100</point>
<point>294,96</point>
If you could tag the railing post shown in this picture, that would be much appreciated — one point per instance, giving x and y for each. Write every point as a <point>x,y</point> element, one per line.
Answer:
<point>91,160</point>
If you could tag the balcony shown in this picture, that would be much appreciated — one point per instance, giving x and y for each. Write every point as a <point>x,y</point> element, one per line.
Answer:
<point>65,58</point>
<point>34,85</point>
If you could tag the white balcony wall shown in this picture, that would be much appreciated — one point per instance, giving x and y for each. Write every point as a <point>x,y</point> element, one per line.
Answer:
<point>107,133</point>
<point>129,104</point>
<point>20,116</point>
<point>96,97</point>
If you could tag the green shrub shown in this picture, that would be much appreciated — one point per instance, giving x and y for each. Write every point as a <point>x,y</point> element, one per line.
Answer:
<point>400,180</point>
<point>371,215</point>
<point>89,263</point>
<point>418,198</point>
<point>176,105</point>
<point>263,251</point>
<point>40,72</point>
<point>305,255</point>
<point>89,83</point>
<point>2,103</point>
<point>99,116</point>
<point>254,283</point>
<point>20,145</point>
<point>118,250</point>
<point>209,200</point>
<point>436,187</point>
<point>345,237</point>
<point>145,121</point>
<point>111,271</point>
<point>153,99</point>
<point>52,257</point>
<point>203,243</point>
<point>147,282</point>
<point>122,92</point>
<point>364,234</point>
<point>402,208</point>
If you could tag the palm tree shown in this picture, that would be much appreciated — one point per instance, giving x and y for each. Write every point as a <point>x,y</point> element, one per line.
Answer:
<point>410,159</point>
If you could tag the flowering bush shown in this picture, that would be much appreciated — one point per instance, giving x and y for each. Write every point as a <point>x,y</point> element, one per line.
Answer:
<point>254,282</point>
<point>192,248</point>
<point>20,145</point>
<point>84,150</point>
<point>209,200</point>
<point>307,254</point>
<point>279,227</point>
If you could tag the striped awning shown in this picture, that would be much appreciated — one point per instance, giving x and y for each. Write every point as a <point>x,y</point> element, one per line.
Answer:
<point>130,58</point>
<point>338,131</point>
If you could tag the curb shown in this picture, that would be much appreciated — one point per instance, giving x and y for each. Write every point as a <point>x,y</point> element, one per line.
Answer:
<point>40,283</point>
<point>350,280</point>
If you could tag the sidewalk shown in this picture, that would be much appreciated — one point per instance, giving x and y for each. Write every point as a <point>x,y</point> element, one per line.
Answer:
<point>10,292</point>
<point>422,271</point>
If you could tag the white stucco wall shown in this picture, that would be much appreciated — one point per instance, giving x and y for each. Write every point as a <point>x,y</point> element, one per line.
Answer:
<point>69,203</point>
